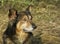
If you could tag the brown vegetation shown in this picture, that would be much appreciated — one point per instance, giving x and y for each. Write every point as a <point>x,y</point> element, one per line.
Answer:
<point>46,15</point>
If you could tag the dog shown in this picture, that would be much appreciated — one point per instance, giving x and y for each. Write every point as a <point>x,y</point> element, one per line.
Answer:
<point>20,26</point>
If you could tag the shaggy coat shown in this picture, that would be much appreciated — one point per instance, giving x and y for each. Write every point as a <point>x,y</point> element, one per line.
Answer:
<point>20,26</point>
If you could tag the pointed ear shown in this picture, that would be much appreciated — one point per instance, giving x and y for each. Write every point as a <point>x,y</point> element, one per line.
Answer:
<point>12,13</point>
<point>28,11</point>
<point>29,8</point>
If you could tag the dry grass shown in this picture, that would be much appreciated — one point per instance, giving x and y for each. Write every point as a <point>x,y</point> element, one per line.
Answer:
<point>47,19</point>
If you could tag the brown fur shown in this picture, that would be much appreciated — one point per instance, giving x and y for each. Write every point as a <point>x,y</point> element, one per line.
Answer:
<point>15,29</point>
<point>22,36</point>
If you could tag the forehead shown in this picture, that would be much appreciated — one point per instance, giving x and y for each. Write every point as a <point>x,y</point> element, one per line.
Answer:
<point>23,15</point>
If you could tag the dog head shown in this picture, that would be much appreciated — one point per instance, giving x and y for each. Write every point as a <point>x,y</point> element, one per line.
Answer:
<point>24,21</point>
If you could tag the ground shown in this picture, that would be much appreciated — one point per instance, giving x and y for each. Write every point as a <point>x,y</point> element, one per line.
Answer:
<point>46,17</point>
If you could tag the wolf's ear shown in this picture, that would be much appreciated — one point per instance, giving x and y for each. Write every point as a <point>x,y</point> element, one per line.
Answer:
<point>12,13</point>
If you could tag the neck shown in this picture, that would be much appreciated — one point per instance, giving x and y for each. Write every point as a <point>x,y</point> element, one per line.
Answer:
<point>23,36</point>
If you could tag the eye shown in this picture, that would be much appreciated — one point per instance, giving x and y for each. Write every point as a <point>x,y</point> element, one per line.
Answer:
<point>25,20</point>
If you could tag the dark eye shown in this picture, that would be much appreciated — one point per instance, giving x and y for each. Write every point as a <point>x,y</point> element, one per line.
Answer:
<point>25,20</point>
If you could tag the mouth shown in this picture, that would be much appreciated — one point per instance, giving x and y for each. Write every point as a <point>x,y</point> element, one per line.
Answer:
<point>28,30</point>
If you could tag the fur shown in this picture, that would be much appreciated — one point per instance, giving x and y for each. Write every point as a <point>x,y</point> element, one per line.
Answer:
<point>20,27</point>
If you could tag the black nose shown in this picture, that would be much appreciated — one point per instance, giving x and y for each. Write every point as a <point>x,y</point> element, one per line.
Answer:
<point>34,26</point>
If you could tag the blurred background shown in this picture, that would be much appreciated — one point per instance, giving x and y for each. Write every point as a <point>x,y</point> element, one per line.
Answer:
<point>46,15</point>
